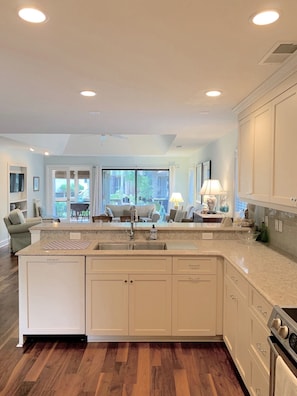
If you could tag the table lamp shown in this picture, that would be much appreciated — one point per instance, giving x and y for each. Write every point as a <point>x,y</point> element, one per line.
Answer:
<point>211,187</point>
<point>176,198</point>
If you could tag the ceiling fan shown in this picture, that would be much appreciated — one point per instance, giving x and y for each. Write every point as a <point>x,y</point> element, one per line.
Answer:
<point>104,136</point>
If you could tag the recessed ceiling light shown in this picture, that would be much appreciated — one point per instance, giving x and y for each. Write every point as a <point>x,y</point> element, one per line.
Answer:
<point>88,93</point>
<point>32,15</point>
<point>213,93</point>
<point>46,153</point>
<point>32,149</point>
<point>265,17</point>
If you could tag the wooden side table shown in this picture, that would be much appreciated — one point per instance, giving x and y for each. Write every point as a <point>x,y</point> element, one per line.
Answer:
<point>208,218</point>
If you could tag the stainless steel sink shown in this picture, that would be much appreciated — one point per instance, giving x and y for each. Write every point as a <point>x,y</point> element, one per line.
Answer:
<point>114,246</point>
<point>149,246</point>
<point>131,246</point>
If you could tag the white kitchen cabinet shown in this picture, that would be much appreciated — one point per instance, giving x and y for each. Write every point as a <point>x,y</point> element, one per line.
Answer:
<point>107,304</point>
<point>262,164</point>
<point>51,295</point>
<point>134,299</point>
<point>194,296</point>
<point>266,149</point>
<point>236,320</point>
<point>259,349</point>
<point>245,158</point>
<point>284,187</point>
<point>149,305</point>
<point>254,155</point>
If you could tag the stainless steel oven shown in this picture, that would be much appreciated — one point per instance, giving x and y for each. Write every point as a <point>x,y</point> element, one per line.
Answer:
<point>283,351</point>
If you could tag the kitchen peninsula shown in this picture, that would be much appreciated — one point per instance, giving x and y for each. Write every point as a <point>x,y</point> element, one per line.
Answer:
<point>221,289</point>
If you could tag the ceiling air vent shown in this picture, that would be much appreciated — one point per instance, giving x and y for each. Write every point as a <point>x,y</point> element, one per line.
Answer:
<point>279,53</point>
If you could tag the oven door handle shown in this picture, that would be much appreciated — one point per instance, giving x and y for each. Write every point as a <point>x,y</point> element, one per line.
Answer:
<point>271,343</point>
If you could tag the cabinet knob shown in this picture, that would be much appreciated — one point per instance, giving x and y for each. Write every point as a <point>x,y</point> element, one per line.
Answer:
<point>283,331</point>
<point>276,323</point>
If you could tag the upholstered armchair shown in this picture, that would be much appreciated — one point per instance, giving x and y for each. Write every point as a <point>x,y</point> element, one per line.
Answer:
<point>18,228</point>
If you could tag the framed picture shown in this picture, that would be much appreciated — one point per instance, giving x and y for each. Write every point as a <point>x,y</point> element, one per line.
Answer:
<point>35,183</point>
<point>198,182</point>
<point>206,170</point>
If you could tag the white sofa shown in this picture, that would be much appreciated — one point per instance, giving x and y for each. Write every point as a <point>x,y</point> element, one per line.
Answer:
<point>146,213</point>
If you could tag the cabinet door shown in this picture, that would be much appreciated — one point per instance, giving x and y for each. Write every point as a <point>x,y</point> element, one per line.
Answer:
<point>52,295</point>
<point>236,327</point>
<point>284,186</point>
<point>262,120</point>
<point>107,304</point>
<point>230,316</point>
<point>194,305</point>
<point>149,305</point>
<point>245,158</point>
<point>242,359</point>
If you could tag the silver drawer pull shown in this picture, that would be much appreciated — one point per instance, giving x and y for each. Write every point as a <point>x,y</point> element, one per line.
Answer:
<point>260,349</point>
<point>197,279</point>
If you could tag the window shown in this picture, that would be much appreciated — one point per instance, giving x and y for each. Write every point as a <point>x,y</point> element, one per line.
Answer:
<point>136,187</point>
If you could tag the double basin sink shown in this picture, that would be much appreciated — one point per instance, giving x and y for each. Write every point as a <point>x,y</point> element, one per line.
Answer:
<point>131,246</point>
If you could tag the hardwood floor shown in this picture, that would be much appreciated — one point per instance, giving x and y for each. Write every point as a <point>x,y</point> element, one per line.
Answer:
<point>69,367</point>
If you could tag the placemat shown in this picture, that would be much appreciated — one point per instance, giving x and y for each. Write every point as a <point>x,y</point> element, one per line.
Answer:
<point>66,245</point>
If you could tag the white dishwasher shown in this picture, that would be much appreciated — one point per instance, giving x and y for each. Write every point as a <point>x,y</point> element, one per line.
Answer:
<point>51,295</point>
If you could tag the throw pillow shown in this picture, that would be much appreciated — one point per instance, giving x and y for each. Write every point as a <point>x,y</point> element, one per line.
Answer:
<point>16,217</point>
<point>180,214</point>
<point>108,211</point>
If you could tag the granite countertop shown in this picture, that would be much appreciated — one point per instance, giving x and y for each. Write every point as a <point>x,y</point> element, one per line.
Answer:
<point>271,273</point>
<point>113,226</point>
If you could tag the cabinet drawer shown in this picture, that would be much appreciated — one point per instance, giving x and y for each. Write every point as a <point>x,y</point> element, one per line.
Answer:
<point>237,279</point>
<point>194,265</point>
<point>259,305</point>
<point>135,265</point>
<point>259,379</point>
<point>258,340</point>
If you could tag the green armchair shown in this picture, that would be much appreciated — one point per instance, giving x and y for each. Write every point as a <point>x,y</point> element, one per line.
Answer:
<point>18,228</point>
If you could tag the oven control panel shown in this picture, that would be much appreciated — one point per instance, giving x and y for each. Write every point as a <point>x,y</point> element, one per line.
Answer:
<point>284,328</point>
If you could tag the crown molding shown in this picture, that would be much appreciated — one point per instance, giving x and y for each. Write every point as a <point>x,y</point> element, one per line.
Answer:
<point>282,74</point>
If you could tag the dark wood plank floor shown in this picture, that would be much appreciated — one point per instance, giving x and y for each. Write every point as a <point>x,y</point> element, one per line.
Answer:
<point>51,367</point>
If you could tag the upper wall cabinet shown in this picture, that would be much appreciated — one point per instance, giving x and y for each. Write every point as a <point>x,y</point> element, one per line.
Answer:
<point>266,151</point>
<point>254,155</point>
<point>284,183</point>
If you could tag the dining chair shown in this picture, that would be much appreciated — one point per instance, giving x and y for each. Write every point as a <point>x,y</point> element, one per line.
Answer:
<point>103,218</point>
<point>125,218</point>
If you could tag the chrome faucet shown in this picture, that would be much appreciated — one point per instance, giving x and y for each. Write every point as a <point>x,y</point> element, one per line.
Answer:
<point>132,220</point>
<point>131,230</point>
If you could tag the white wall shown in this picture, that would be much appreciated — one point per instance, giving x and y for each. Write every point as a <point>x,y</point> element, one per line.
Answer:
<point>222,155</point>
<point>35,167</point>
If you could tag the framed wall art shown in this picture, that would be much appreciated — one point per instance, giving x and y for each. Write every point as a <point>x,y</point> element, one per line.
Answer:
<point>206,170</point>
<point>35,183</point>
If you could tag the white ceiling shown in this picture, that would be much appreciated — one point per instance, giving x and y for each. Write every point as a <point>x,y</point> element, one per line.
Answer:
<point>150,63</point>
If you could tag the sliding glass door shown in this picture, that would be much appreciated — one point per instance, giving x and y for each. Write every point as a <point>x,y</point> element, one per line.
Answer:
<point>70,193</point>
<point>136,187</point>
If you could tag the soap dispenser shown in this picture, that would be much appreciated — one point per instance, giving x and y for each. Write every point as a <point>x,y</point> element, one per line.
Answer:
<point>153,233</point>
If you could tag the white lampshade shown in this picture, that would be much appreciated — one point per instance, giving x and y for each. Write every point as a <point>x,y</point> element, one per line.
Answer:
<point>211,187</point>
<point>176,198</point>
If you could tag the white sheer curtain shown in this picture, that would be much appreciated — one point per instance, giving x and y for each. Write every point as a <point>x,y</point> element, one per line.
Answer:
<point>95,196</point>
<point>191,185</point>
<point>172,174</point>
